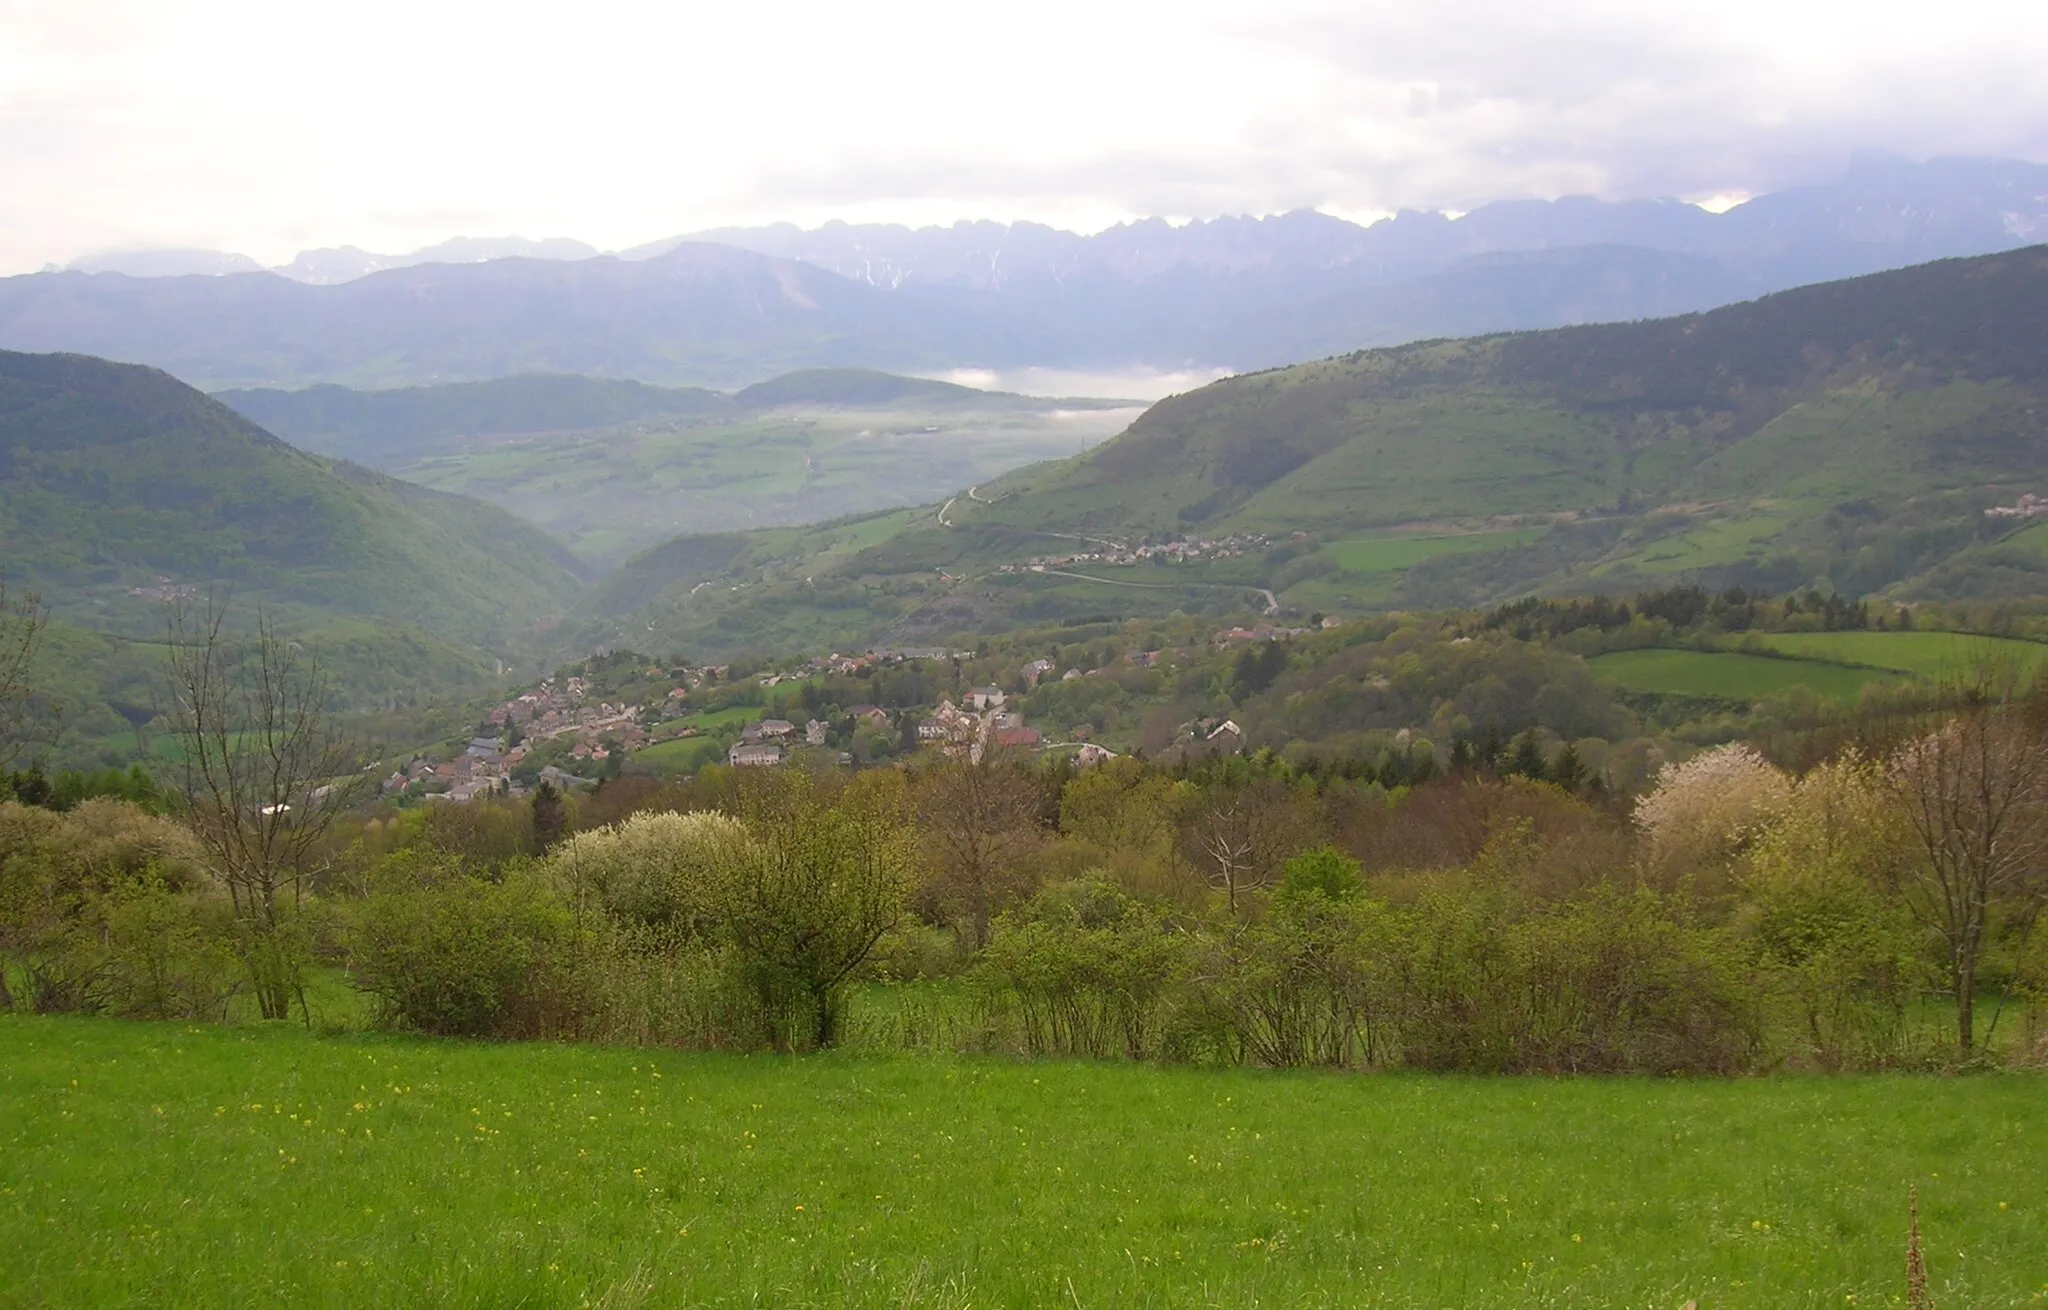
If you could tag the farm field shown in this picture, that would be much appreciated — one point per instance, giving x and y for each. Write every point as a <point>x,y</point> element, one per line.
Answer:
<point>1729,675</point>
<point>168,1165</point>
<point>1389,554</point>
<point>1926,654</point>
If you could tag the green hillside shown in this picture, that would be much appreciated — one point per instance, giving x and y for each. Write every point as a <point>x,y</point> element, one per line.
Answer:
<point>115,478</point>
<point>122,488</point>
<point>1847,436</point>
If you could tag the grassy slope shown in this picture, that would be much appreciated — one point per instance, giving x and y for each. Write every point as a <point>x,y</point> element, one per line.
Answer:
<point>1850,433</point>
<point>1837,665</point>
<point>176,1166</point>
<point>1924,654</point>
<point>1728,675</point>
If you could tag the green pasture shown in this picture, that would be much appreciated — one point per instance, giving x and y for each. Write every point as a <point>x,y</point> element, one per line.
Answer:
<point>1729,675</point>
<point>682,755</point>
<point>1924,654</point>
<point>1388,554</point>
<point>167,1165</point>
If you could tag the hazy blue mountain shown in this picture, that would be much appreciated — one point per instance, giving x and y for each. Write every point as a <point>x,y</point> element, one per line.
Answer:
<point>1881,214</point>
<point>345,263</point>
<point>701,313</point>
<point>1503,292</point>
<point>747,304</point>
<point>164,263</point>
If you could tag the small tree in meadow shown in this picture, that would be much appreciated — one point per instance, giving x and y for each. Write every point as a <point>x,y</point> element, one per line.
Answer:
<point>805,900</point>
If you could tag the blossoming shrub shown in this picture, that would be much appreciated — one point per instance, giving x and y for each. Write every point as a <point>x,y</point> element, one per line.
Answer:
<point>1703,813</point>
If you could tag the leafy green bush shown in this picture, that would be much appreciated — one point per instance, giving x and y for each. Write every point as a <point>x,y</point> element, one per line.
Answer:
<point>466,957</point>
<point>1084,969</point>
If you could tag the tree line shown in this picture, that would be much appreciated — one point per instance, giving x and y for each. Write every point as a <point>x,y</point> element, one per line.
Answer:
<point>1488,911</point>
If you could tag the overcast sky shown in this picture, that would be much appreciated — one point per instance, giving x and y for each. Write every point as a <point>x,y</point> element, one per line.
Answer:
<point>268,126</point>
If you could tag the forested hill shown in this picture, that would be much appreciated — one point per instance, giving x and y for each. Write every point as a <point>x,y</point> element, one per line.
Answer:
<point>1849,435</point>
<point>120,485</point>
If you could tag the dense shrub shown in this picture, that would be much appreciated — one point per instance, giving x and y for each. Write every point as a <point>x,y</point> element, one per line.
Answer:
<point>106,909</point>
<point>461,956</point>
<point>658,871</point>
<point>1084,969</point>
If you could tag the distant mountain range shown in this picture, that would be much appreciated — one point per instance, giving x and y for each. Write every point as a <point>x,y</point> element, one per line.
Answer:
<point>734,306</point>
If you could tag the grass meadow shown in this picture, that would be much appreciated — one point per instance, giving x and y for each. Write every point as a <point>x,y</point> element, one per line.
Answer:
<point>1924,654</point>
<point>168,1165</point>
<point>1730,675</point>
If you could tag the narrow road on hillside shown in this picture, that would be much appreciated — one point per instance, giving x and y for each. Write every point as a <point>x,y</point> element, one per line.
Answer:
<point>946,509</point>
<point>1272,601</point>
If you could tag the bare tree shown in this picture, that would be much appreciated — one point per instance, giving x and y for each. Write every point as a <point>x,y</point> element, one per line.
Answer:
<point>1243,833</point>
<point>1974,792</point>
<point>979,822</point>
<point>263,776</point>
<point>22,619</point>
<point>1224,831</point>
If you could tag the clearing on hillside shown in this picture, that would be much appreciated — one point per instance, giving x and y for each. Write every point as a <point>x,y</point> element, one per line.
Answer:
<point>1926,654</point>
<point>1729,675</point>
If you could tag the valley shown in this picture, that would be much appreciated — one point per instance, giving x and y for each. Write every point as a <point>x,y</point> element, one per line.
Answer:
<point>611,469</point>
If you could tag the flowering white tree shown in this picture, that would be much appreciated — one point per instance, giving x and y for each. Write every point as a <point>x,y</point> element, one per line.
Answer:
<point>1707,810</point>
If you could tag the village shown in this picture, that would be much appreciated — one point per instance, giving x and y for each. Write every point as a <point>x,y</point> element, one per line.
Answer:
<point>565,735</point>
<point>1116,555</point>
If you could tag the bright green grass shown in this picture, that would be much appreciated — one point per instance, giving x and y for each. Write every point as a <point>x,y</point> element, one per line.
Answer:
<point>683,755</point>
<point>1728,675</point>
<point>1392,553</point>
<point>1928,654</point>
<point>164,1165</point>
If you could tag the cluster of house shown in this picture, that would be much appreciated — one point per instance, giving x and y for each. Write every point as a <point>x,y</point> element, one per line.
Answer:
<point>164,590</point>
<point>1179,552</point>
<point>1204,739</point>
<point>483,769</point>
<point>2027,507</point>
<point>978,725</point>
<point>551,710</point>
<point>1267,632</point>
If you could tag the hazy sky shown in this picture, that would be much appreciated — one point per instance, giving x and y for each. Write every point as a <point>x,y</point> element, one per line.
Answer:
<point>267,126</point>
